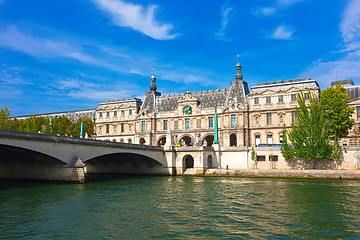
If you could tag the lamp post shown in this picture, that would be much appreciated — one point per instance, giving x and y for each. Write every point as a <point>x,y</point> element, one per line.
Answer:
<point>82,128</point>
<point>216,134</point>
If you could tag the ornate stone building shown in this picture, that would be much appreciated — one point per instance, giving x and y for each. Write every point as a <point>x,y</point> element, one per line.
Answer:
<point>245,118</point>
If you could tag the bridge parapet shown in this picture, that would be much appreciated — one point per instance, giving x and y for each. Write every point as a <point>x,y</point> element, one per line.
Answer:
<point>72,140</point>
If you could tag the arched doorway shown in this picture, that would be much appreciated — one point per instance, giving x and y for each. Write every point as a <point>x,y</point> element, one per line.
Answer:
<point>208,140</point>
<point>233,140</point>
<point>188,161</point>
<point>186,141</point>
<point>142,141</point>
<point>210,163</point>
<point>161,141</point>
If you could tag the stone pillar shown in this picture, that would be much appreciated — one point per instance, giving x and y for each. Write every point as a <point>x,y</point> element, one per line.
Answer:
<point>80,171</point>
<point>170,153</point>
<point>217,149</point>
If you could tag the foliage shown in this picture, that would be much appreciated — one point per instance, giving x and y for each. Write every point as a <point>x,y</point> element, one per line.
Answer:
<point>60,125</point>
<point>253,154</point>
<point>334,103</point>
<point>4,117</point>
<point>310,134</point>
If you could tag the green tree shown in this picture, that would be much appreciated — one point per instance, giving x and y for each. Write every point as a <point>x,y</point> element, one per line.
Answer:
<point>310,134</point>
<point>4,117</point>
<point>334,103</point>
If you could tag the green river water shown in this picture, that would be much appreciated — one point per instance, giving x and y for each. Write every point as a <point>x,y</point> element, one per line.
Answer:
<point>182,208</point>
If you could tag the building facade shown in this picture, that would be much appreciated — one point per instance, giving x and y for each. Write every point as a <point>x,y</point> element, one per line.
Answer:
<point>245,118</point>
<point>248,120</point>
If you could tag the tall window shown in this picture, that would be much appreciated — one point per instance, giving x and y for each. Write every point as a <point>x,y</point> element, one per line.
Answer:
<point>130,112</point>
<point>122,112</point>
<point>257,139</point>
<point>306,96</point>
<point>293,97</point>
<point>293,116</point>
<point>107,128</point>
<point>187,123</point>
<point>268,99</point>
<point>107,114</point>
<point>165,125</point>
<point>256,100</point>
<point>211,122</point>
<point>358,112</point>
<point>269,138</point>
<point>143,126</point>
<point>122,127</point>
<point>115,113</point>
<point>268,118</point>
<point>281,98</point>
<point>100,114</point>
<point>233,120</point>
<point>281,138</point>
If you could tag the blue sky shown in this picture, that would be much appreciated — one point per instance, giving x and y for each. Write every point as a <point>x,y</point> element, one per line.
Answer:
<point>74,54</point>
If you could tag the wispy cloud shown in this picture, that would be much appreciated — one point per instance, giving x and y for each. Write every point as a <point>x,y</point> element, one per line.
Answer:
<point>283,32</point>
<point>12,38</point>
<point>136,17</point>
<point>347,60</point>
<point>80,89</point>
<point>220,35</point>
<point>275,9</point>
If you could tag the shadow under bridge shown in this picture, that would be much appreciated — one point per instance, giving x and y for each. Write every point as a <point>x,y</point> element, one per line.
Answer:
<point>123,163</point>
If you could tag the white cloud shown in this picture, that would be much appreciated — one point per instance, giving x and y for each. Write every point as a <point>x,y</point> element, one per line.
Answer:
<point>13,39</point>
<point>136,17</point>
<point>264,11</point>
<point>220,35</point>
<point>80,89</point>
<point>346,63</point>
<point>283,32</point>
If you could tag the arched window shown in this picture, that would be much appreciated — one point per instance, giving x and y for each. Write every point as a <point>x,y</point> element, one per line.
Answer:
<point>269,138</point>
<point>161,142</point>
<point>210,162</point>
<point>142,141</point>
<point>208,140</point>
<point>129,140</point>
<point>122,140</point>
<point>233,140</point>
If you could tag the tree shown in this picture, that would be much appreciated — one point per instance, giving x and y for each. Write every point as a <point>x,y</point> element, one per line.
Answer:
<point>253,156</point>
<point>334,103</point>
<point>310,134</point>
<point>4,117</point>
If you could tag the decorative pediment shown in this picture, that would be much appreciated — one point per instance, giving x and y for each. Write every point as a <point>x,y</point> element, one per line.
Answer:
<point>355,101</point>
<point>294,89</point>
<point>187,98</point>
<point>267,91</point>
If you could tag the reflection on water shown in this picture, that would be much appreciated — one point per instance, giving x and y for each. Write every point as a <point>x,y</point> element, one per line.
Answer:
<point>182,208</point>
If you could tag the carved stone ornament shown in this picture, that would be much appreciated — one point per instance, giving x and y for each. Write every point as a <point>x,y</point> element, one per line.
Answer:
<point>233,103</point>
<point>187,98</point>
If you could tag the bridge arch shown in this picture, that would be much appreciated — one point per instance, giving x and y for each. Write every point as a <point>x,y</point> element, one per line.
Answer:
<point>14,155</point>
<point>122,162</point>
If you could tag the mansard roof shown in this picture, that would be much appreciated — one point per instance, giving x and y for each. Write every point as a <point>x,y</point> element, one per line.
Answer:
<point>129,102</point>
<point>282,86</point>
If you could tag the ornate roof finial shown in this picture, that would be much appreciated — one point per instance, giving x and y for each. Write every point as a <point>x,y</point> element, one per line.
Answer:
<point>239,76</point>
<point>153,81</point>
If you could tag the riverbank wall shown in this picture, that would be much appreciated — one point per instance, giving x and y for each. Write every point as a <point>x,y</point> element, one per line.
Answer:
<point>339,174</point>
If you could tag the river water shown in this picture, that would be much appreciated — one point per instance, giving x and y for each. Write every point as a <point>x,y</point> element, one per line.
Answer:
<point>182,207</point>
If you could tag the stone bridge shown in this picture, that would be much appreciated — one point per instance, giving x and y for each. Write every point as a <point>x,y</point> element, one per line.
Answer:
<point>49,157</point>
